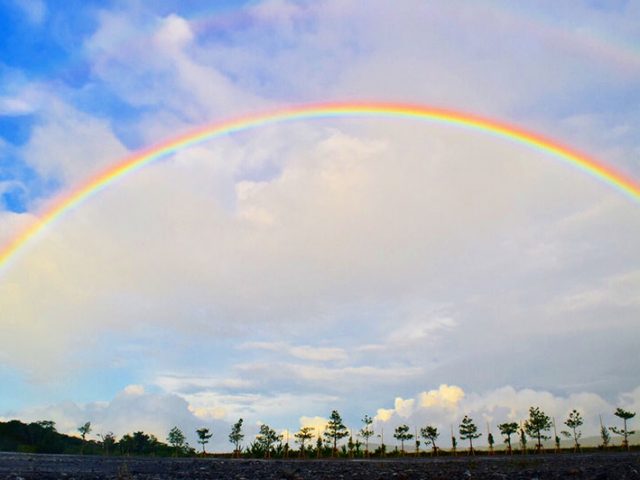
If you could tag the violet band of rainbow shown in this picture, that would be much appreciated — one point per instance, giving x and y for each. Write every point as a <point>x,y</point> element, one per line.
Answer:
<point>141,158</point>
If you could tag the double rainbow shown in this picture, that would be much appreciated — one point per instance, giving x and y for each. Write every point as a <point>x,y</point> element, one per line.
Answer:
<point>316,111</point>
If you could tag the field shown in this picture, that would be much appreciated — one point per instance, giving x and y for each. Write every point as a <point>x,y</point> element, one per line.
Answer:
<point>15,466</point>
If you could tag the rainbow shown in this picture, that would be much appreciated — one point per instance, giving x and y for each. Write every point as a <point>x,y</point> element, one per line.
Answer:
<point>317,111</point>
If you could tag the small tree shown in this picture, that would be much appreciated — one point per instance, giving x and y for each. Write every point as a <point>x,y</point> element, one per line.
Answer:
<point>523,440</point>
<point>454,445</point>
<point>430,434</point>
<point>491,442</point>
<point>536,425</point>
<point>624,415</point>
<point>236,436</point>
<point>266,438</point>
<point>335,430</point>
<point>402,433</point>
<point>366,432</point>
<point>304,434</point>
<point>84,431</point>
<point>108,441</point>
<point>176,439</point>
<point>604,435</point>
<point>508,429</point>
<point>573,422</point>
<point>319,446</point>
<point>469,431</point>
<point>203,438</point>
<point>350,446</point>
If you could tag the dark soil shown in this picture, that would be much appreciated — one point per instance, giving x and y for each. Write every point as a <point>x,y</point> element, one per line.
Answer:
<point>602,466</point>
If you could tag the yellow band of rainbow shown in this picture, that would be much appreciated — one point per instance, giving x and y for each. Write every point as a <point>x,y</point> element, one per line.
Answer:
<point>316,111</point>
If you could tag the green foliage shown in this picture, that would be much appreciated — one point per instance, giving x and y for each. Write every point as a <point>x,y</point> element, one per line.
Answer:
<point>508,429</point>
<point>302,436</point>
<point>537,424</point>
<point>574,421</point>
<point>624,432</point>
<point>203,437</point>
<point>468,431</point>
<point>38,437</point>
<point>402,433</point>
<point>366,432</point>
<point>176,439</point>
<point>108,442</point>
<point>430,434</point>
<point>266,438</point>
<point>236,436</point>
<point>335,429</point>
<point>604,436</point>
<point>523,440</point>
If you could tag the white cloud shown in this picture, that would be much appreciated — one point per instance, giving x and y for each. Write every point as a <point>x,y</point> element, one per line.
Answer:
<point>128,412</point>
<point>445,396</point>
<point>446,406</point>
<point>351,258</point>
<point>303,352</point>
<point>318,424</point>
<point>71,146</point>
<point>134,390</point>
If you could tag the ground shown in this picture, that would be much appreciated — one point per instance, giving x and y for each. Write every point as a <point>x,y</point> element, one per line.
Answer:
<point>597,466</point>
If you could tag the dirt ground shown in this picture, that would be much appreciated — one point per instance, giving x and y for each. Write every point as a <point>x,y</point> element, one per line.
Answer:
<point>572,466</point>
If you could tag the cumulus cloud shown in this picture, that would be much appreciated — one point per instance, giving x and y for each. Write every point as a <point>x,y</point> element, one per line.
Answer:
<point>347,258</point>
<point>447,405</point>
<point>130,410</point>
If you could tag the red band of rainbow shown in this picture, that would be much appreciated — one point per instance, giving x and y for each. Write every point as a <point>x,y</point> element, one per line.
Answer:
<point>305,112</point>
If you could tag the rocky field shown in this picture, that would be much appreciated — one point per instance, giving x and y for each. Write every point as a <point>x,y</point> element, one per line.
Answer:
<point>582,466</point>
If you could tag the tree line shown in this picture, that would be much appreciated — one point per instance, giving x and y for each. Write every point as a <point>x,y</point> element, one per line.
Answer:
<point>42,437</point>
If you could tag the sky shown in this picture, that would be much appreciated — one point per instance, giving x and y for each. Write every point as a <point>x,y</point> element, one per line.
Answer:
<point>412,271</point>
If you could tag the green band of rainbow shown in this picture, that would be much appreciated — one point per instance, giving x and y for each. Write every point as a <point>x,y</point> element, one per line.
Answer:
<point>314,111</point>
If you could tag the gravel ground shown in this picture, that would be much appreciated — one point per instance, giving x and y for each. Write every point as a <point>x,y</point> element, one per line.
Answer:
<point>71,467</point>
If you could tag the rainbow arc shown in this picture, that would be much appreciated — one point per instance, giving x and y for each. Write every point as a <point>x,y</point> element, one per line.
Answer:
<point>139,159</point>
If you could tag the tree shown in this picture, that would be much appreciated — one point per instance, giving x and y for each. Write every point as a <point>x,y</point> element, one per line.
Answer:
<point>203,438</point>
<point>266,438</point>
<point>176,439</point>
<point>366,432</point>
<point>236,436</point>
<point>402,433</point>
<point>47,425</point>
<point>319,446</point>
<point>430,434</point>
<point>304,434</point>
<point>126,444</point>
<point>523,440</point>
<point>508,429</point>
<point>141,443</point>
<point>624,415</point>
<point>469,431</point>
<point>536,425</point>
<point>335,430</point>
<point>490,441</point>
<point>574,421</point>
<point>604,435</point>
<point>84,431</point>
<point>108,441</point>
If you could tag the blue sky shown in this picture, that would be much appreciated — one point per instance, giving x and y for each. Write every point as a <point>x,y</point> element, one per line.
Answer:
<point>408,271</point>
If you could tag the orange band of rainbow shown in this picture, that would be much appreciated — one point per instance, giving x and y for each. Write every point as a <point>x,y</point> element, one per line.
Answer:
<point>306,112</point>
